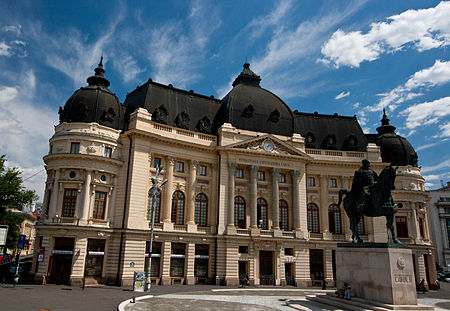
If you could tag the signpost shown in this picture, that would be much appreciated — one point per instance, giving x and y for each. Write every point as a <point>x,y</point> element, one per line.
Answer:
<point>20,246</point>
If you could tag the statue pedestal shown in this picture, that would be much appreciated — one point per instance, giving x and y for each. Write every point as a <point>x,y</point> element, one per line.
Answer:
<point>377,271</point>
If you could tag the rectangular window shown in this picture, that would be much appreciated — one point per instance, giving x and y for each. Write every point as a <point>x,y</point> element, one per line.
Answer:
<point>75,148</point>
<point>421,227</point>
<point>99,205</point>
<point>180,167</point>
<point>289,252</point>
<point>202,170</point>
<point>156,162</point>
<point>401,224</point>
<point>156,258</point>
<point>333,183</point>
<point>177,259</point>
<point>243,249</point>
<point>282,178</point>
<point>239,173</point>
<point>108,152</point>
<point>261,176</point>
<point>201,260</point>
<point>69,202</point>
<point>95,255</point>
<point>311,182</point>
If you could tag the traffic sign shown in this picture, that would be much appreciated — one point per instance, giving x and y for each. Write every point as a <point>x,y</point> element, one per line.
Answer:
<point>21,243</point>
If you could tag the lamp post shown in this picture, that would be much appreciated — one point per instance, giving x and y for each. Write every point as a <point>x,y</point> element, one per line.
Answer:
<point>154,191</point>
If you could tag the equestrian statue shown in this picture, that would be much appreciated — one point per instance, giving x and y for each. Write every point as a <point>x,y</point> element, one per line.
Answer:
<point>370,196</point>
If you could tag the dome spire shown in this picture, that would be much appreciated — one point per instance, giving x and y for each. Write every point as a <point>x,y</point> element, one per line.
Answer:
<point>99,78</point>
<point>385,126</point>
<point>247,77</point>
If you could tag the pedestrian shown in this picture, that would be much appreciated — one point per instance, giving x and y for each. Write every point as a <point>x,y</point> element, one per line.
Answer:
<point>324,284</point>
<point>348,292</point>
<point>422,286</point>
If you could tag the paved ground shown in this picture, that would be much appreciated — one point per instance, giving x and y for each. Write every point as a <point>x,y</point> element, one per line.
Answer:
<point>198,298</point>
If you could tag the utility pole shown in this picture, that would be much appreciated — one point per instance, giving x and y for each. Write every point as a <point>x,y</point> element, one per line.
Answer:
<point>154,191</point>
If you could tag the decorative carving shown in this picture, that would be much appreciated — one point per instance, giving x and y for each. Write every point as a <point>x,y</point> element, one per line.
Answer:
<point>81,110</point>
<point>401,263</point>
<point>232,166</point>
<point>248,112</point>
<point>204,125</point>
<point>274,116</point>
<point>91,149</point>
<point>182,120</point>
<point>266,145</point>
<point>160,115</point>
<point>108,116</point>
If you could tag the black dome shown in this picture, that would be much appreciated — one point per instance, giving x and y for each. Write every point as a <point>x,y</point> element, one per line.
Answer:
<point>94,103</point>
<point>250,107</point>
<point>395,149</point>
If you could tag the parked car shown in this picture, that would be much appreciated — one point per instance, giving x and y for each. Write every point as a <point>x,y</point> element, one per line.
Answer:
<point>5,258</point>
<point>444,276</point>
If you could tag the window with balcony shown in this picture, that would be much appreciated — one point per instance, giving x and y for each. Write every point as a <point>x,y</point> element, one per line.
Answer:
<point>178,208</point>
<point>239,212</point>
<point>75,148</point>
<point>262,213</point>
<point>334,219</point>
<point>108,152</point>
<point>401,224</point>
<point>313,218</point>
<point>69,202</point>
<point>333,183</point>
<point>201,209</point>
<point>284,215</point>
<point>282,178</point>
<point>202,170</point>
<point>180,167</point>
<point>261,176</point>
<point>99,205</point>
<point>239,173</point>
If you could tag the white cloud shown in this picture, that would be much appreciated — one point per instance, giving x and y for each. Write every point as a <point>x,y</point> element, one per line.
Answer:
<point>128,67</point>
<point>445,128</point>
<point>260,24</point>
<point>177,48</point>
<point>443,165</point>
<point>5,49</point>
<point>426,146</point>
<point>356,105</point>
<point>426,113</point>
<point>422,29</point>
<point>12,28</point>
<point>436,75</point>
<point>342,95</point>
<point>25,128</point>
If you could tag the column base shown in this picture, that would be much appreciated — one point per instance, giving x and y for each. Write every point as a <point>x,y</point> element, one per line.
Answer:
<point>191,227</point>
<point>277,233</point>
<point>76,281</point>
<point>254,231</point>
<point>167,226</point>
<point>40,279</point>
<point>327,235</point>
<point>303,283</point>
<point>231,230</point>
<point>190,280</point>
<point>166,280</point>
<point>299,234</point>
<point>232,281</point>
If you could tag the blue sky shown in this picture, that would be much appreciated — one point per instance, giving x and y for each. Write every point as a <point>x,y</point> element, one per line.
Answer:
<point>345,57</point>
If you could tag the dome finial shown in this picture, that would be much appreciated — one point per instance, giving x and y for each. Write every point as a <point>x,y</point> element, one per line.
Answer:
<point>247,77</point>
<point>385,126</point>
<point>98,78</point>
<point>246,65</point>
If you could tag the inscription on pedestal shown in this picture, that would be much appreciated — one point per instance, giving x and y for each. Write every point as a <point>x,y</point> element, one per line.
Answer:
<point>403,279</point>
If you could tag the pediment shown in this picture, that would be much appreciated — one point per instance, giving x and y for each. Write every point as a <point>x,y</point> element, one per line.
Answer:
<point>267,144</point>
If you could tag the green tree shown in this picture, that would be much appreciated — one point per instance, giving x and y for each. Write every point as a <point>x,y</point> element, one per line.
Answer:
<point>12,194</point>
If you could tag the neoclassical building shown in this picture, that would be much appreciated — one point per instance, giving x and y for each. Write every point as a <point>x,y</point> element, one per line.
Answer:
<point>252,188</point>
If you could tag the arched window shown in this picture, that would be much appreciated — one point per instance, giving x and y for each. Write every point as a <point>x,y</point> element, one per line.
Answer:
<point>361,227</point>
<point>262,213</point>
<point>239,212</point>
<point>334,219</point>
<point>201,209</point>
<point>284,218</point>
<point>313,218</point>
<point>178,208</point>
<point>157,207</point>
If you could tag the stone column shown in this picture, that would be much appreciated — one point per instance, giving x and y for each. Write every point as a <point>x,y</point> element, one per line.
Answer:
<point>296,199</point>
<point>165,263</point>
<point>191,194</point>
<point>86,197</point>
<point>190,262</point>
<point>324,206</point>
<point>328,269</point>
<point>54,196</point>
<point>112,201</point>
<point>253,194</point>
<point>231,173</point>
<point>275,199</point>
<point>413,221</point>
<point>167,192</point>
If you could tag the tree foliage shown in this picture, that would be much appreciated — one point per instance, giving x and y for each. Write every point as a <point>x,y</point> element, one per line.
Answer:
<point>12,195</point>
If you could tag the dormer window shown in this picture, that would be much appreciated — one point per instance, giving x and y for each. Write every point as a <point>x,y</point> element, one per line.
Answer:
<point>248,111</point>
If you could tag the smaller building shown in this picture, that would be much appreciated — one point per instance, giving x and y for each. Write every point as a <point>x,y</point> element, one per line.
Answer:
<point>439,215</point>
<point>27,228</point>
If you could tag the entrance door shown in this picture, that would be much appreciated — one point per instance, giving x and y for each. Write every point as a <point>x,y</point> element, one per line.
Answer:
<point>266,274</point>
<point>316,266</point>
<point>61,263</point>
<point>289,273</point>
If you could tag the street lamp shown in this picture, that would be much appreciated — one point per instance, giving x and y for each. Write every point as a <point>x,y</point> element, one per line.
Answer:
<point>153,192</point>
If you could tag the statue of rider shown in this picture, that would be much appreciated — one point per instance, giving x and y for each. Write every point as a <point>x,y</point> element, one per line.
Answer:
<point>363,181</point>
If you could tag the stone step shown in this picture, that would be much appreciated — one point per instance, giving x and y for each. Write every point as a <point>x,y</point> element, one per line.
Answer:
<point>359,304</point>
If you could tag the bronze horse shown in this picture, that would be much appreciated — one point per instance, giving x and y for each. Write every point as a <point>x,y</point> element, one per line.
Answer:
<point>378,203</point>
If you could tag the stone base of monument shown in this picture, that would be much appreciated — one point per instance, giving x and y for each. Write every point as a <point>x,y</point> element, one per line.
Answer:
<point>378,272</point>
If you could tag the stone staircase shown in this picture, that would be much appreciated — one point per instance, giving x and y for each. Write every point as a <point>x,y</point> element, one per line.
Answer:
<point>359,304</point>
